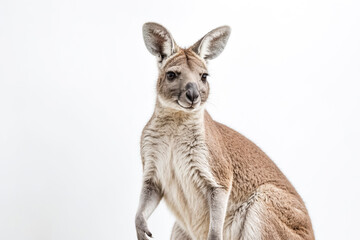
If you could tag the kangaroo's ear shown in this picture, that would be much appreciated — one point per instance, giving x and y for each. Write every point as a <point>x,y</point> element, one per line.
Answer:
<point>213,43</point>
<point>158,40</point>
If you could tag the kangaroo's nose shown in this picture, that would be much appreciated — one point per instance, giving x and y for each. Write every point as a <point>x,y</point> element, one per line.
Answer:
<point>192,93</point>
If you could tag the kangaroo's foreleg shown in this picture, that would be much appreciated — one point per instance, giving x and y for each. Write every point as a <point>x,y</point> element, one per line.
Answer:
<point>149,200</point>
<point>217,200</point>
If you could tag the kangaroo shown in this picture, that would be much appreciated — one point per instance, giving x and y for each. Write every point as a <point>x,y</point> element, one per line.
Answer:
<point>217,183</point>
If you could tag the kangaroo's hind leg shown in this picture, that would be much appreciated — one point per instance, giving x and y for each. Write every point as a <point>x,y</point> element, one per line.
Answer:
<point>178,233</point>
<point>245,221</point>
<point>269,213</point>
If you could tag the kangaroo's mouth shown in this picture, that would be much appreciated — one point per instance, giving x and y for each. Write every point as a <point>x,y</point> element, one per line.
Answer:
<point>188,105</point>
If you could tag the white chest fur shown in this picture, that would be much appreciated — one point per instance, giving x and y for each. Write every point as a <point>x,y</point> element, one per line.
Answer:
<point>175,156</point>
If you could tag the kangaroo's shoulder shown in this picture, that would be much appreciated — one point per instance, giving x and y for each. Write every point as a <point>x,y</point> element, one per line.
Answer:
<point>233,143</point>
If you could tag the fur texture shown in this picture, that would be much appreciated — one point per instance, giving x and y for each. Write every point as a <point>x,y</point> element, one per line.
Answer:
<point>217,183</point>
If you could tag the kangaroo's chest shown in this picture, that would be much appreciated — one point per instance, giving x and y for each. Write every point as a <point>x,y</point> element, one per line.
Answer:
<point>179,156</point>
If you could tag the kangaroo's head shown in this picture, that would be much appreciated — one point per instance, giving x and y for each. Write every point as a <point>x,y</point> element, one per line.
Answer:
<point>182,83</point>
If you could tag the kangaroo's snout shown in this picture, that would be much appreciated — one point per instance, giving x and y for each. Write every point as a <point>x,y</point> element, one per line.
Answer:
<point>192,92</point>
<point>190,97</point>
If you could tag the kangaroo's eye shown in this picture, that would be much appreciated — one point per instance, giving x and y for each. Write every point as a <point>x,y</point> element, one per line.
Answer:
<point>204,77</point>
<point>170,76</point>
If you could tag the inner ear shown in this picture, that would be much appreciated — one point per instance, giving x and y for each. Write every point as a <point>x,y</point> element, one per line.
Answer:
<point>158,40</point>
<point>213,43</point>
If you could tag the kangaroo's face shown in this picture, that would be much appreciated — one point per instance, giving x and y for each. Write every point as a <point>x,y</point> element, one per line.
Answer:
<point>182,82</point>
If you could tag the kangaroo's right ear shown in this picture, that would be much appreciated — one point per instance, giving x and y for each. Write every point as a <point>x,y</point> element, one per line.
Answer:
<point>213,43</point>
<point>158,40</point>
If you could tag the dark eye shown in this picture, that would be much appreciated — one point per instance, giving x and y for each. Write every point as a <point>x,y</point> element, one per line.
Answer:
<point>170,76</point>
<point>204,77</point>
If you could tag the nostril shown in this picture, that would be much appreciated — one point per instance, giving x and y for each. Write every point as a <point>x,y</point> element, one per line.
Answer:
<point>190,94</point>
<point>195,96</point>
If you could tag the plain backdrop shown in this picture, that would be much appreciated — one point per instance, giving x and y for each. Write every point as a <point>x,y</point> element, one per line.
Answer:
<point>77,85</point>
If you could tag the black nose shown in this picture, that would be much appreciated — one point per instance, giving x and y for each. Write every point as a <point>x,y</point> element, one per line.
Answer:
<point>192,93</point>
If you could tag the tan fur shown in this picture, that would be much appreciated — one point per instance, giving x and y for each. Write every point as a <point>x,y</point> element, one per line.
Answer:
<point>252,170</point>
<point>217,183</point>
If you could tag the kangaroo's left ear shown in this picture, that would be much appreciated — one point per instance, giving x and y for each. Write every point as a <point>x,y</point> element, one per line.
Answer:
<point>158,40</point>
<point>213,43</point>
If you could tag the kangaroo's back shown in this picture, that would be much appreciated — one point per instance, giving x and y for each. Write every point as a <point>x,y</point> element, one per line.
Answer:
<point>247,158</point>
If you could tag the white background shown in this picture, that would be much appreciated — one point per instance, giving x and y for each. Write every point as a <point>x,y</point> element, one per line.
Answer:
<point>77,85</point>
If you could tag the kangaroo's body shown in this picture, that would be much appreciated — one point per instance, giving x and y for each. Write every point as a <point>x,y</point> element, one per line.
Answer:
<point>218,184</point>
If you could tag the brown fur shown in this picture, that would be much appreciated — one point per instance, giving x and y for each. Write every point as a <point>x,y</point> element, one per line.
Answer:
<point>235,157</point>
